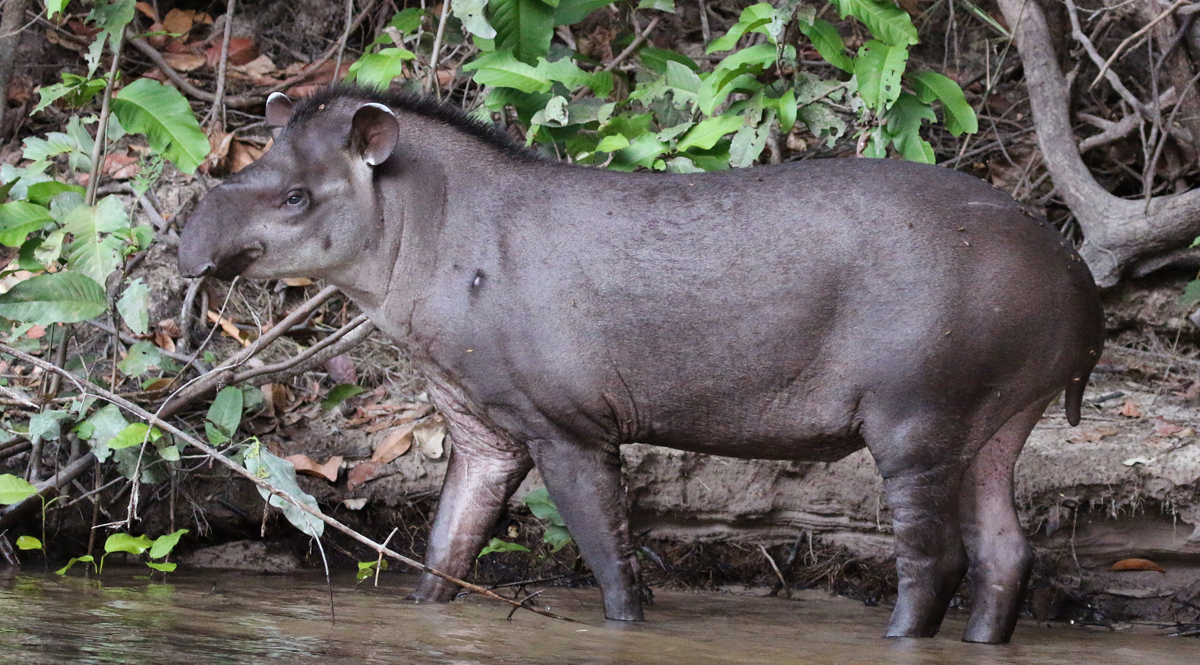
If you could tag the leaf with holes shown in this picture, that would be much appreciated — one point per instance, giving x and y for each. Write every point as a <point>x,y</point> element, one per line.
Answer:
<point>879,68</point>
<point>470,12</point>
<point>280,474</point>
<point>904,121</point>
<point>960,117</point>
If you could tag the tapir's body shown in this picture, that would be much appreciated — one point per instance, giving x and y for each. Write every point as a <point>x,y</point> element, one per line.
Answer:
<point>800,311</point>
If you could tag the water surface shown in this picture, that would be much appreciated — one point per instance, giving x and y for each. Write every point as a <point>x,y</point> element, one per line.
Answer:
<point>228,617</point>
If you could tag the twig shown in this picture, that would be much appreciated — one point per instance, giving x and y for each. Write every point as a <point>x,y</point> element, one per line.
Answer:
<point>431,77</point>
<point>214,110</point>
<point>102,127</point>
<point>1109,75</point>
<point>360,326</point>
<point>1121,47</point>
<point>632,45</point>
<point>72,471</point>
<point>341,45</point>
<point>1152,167</point>
<point>705,31</point>
<point>776,569</point>
<point>91,388</point>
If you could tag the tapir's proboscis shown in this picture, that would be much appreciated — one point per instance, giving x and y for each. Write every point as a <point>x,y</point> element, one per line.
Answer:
<point>794,312</point>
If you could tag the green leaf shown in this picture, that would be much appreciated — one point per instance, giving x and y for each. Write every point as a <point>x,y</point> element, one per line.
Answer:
<point>542,506</point>
<point>497,545</point>
<point>878,69</point>
<point>41,193</point>
<point>656,59</point>
<point>340,393</point>
<point>904,128</point>
<point>87,558</point>
<point>749,142</point>
<point>522,26</point>
<point>960,117</point>
<point>14,489</point>
<point>573,11</point>
<point>754,18</point>
<point>55,7</point>
<point>225,414</point>
<point>134,306</point>
<point>661,5</point>
<point>20,218</point>
<point>164,544</point>
<point>77,90</point>
<point>887,22</point>
<point>822,122</point>
<point>123,542</point>
<point>706,134</point>
<point>63,297</point>
<point>141,358</point>
<point>501,69</point>
<point>46,425</point>
<point>105,423</point>
<point>90,222</point>
<point>643,150</point>
<point>470,12</point>
<point>612,143</point>
<point>377,70</point>
<point>133,435</point>
<point>734,73</point>
<point>786,107</point>
<point>828,42</point>
<point>282,475</point>
<point>5,188</point>
<point>165,117</point>
<point>556,536</point>
<point>168,567</point>
<point>28,543</point>
<point>1191,296</point>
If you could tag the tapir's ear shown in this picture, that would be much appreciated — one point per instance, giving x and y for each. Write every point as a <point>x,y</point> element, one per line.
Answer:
<point>374,132</point>
<point>279,109</point>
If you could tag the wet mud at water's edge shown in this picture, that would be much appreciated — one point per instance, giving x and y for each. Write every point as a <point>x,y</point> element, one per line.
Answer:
<point>223,617</point>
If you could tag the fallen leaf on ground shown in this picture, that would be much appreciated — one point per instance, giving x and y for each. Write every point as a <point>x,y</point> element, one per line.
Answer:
<point>243,154</point>
<point>169,327</point>
<point>1136,564</point>
<point>146,10</point>
<point>355,504</point>
<point>121,167</point>
<point>395,444</point>
<point>242,51</point>
<point>1092,435</point>
<point>163,341</point>
<point>228,327</point>
<point>364,472</point>
<point>178,20</point>
<point>297,281</point>
<point>158,384</point>
<point>275,397</point>
<point>1130,409</point>
<point>309,467</point>
<point>1166,428</point>
<point>430,436</point>
<point>185,62</point>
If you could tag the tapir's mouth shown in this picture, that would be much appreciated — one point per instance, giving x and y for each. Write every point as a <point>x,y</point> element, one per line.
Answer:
<point>230,266</point>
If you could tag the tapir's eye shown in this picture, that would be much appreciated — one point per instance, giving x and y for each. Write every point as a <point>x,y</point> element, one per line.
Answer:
<point>296,198</point>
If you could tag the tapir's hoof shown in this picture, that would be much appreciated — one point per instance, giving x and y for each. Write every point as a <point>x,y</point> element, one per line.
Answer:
<point>624,614</point>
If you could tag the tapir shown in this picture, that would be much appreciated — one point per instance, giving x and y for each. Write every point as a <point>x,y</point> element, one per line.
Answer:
<point>799,311</point>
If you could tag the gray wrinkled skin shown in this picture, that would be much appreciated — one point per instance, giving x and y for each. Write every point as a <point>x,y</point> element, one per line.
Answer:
<point>799,311</point>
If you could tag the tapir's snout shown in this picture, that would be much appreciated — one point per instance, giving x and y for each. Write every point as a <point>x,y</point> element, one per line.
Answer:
<point>213,244</point>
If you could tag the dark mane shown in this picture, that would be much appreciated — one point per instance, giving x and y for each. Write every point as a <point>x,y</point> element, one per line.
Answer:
<point>454,116</point>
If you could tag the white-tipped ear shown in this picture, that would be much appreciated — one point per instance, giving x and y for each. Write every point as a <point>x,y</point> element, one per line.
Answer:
<point>374,132</point>
<point>279,109</point>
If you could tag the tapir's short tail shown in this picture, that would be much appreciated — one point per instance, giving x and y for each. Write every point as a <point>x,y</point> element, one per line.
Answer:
<point>1074,396</point>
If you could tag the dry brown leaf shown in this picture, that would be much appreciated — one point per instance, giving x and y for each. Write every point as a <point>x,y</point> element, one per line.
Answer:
<point>364,472</point>
<point>260,67</point>
<point>121,167</point>
<point>185,62</point>
<point>57,39</point>
<point>36,332</point>
<point>169,327</point>
<point>1130,409</point>
<point>146,10</point>
<point>275,397</point>
<point>163,341</point>
<point>242,51</point>
<point>395,444</point>
<point>306,465</point>
<point>178,21</point>
<point>228,327</point>
<point>82,29</point>
<point>158,384</point>
<point>430,436</point>
<point>243,154</point>
<point>1136,564</point>
<point>1166,428</point>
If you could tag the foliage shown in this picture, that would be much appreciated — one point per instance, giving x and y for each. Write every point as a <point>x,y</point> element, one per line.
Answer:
<point>543,508</point>
<point>497,545</point>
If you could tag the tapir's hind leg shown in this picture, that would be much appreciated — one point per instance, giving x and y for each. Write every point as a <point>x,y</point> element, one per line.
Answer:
<point>484,471</point>
<point>999,555</point>
<point>585,483</point>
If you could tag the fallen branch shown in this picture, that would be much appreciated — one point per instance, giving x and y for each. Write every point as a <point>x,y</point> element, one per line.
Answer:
<point>89,388</point>
<point>18,511</point>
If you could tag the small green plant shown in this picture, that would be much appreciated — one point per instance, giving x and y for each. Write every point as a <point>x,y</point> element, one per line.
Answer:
<point>368,568</point>
<point>157,548</point>
<point>1191,292</point>
<point>497,545</point>
<point>543,508</point>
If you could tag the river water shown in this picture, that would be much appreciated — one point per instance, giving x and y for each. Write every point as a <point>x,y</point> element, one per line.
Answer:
<point>227,617</point>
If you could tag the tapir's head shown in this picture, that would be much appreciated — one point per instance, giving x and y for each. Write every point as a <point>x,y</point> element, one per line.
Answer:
<point>308,207</point>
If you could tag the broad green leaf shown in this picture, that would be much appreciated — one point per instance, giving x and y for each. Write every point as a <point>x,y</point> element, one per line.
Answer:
<point>570,12</point>
<point>367,568</point>
<point>63,297</point>
<point>822,122</point>
<point>612,143</point>
<point>749,142</point>
<point>661,5</point>
<point>732,74</point>
<point>523,27</point>
<point>111,17</point>
<point>497,545</point>
<point>656,59</point>
<point>904,128</point>
<point>340,393</point>
<point>164,544</point>
<point>123,542</point>
<point>501,69</point>
<point>87,558</point>
<point>165,117</point>
<point>43,192</point>
<point>542,506</point>
<point>55,7</point>
<point>20,218</point>
<point>887,22</point>
<point>643,150</point>
<point>226,411</point>
<point>28,543</point>
<point>470,12</point>
<point>281,474</point>
<point>557,536</point>
<point>1191,296</point>
<point>133,435</point>
<point>55,144</point>
<point>377,70</point>
<point>134,306</point>
<point>76,89</point>
<point>960,117</point>
<point>754,18</point>
<point>89,222</point>
<point>878,70</point>
<point>5,188</point>
<point>96,259</point>
<point>786,107</point>
<point>167,567</point>
<point>569,74</point>
<point>828,43</point>
<point>706,134</point>
<point>141,358</point>
<point>105,424</point>
<point>14,489</point>
<point>682,78</point>
<point>46,424</point>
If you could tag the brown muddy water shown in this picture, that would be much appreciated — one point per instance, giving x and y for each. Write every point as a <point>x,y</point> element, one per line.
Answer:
<point>225,617</point>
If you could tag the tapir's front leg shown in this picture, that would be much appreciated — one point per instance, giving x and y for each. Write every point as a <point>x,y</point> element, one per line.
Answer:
<point>485,469</point>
